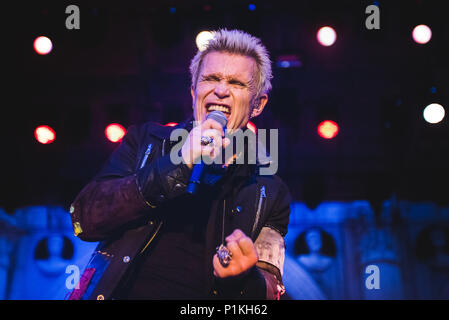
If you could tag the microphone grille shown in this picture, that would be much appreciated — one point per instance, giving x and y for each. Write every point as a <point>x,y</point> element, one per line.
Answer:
<point>219,117</point>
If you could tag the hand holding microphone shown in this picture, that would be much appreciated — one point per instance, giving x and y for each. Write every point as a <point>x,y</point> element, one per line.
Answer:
<point>205,140</point>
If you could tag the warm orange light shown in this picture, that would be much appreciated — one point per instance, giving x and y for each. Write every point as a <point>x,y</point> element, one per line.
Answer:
<point>328,129</point>
<point>44,134</point>
<point>326,36</point>
<point>42,45</point>
<point>115,132</point>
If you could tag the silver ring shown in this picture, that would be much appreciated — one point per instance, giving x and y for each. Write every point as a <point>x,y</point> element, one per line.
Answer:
<point>206,140</point>
<point>224,255</point>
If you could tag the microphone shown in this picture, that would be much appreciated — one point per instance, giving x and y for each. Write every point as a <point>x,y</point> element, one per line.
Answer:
<point>197,171</point>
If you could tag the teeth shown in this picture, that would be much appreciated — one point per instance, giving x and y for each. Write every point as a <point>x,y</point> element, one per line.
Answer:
<point>215,107</point>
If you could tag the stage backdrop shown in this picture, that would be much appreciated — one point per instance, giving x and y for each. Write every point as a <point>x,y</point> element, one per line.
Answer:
<point>339,250</point>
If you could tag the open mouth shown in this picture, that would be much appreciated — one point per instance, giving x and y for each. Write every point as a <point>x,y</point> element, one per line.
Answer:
<point>218,107</point>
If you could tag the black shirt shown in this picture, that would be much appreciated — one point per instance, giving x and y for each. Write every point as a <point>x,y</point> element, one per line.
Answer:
<point>173,267</point>
<point>177,265</point>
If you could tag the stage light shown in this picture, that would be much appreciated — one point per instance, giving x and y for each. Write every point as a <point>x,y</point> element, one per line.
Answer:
<point>328,129</point>
<point>171,124</point>
<point>252,7</point>
<point>422,34</point>
<point>326,36</point>
<point>434,113</point>
<point>251,126</point>
<point>44,134</point>
<point>115,132</point>
<point>42,45</point>
<point>288,61</point>
<point>202,39</point>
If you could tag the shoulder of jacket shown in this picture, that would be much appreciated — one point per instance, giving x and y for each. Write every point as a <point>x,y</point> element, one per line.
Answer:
<point>273,184</point>
<point>151,128</point>
<point>269,179</point>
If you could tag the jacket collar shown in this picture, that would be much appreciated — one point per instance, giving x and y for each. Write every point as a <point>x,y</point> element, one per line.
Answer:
<point>163,132</point>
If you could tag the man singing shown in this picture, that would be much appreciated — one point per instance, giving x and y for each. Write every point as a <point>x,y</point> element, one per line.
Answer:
<point>160,241</point>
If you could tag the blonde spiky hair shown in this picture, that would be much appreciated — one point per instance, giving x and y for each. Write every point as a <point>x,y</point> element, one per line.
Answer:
<point>237,42</point>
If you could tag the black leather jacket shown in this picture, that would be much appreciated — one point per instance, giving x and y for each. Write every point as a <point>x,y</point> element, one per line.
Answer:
<point>124,205</point>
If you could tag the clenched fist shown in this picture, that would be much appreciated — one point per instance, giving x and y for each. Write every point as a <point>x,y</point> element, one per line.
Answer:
<point>244,256</point>
<point>192,148</point>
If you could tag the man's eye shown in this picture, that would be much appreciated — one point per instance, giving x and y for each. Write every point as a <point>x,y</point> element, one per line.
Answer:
<point>210,78</point>
<point>235,82</point>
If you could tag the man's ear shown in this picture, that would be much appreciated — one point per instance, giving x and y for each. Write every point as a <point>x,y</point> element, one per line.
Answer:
<point>259,105</point>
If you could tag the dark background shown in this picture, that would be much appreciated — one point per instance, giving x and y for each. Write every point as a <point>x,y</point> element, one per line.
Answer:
<point>129,64</point>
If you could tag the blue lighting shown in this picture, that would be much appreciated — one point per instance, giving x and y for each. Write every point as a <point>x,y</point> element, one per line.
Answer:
<point>288,61</point>
<point>172,10</point>
<point>433,90</point>
<point>252,7</point>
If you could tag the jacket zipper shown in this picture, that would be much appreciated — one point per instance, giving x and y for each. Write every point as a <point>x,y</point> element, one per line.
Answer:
<point>147,153</point>
<point>259,208</point>
<point>152,237</point>
<point>160,223</point>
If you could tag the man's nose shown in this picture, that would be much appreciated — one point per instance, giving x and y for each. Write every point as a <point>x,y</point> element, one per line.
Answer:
<point>221,90</point>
